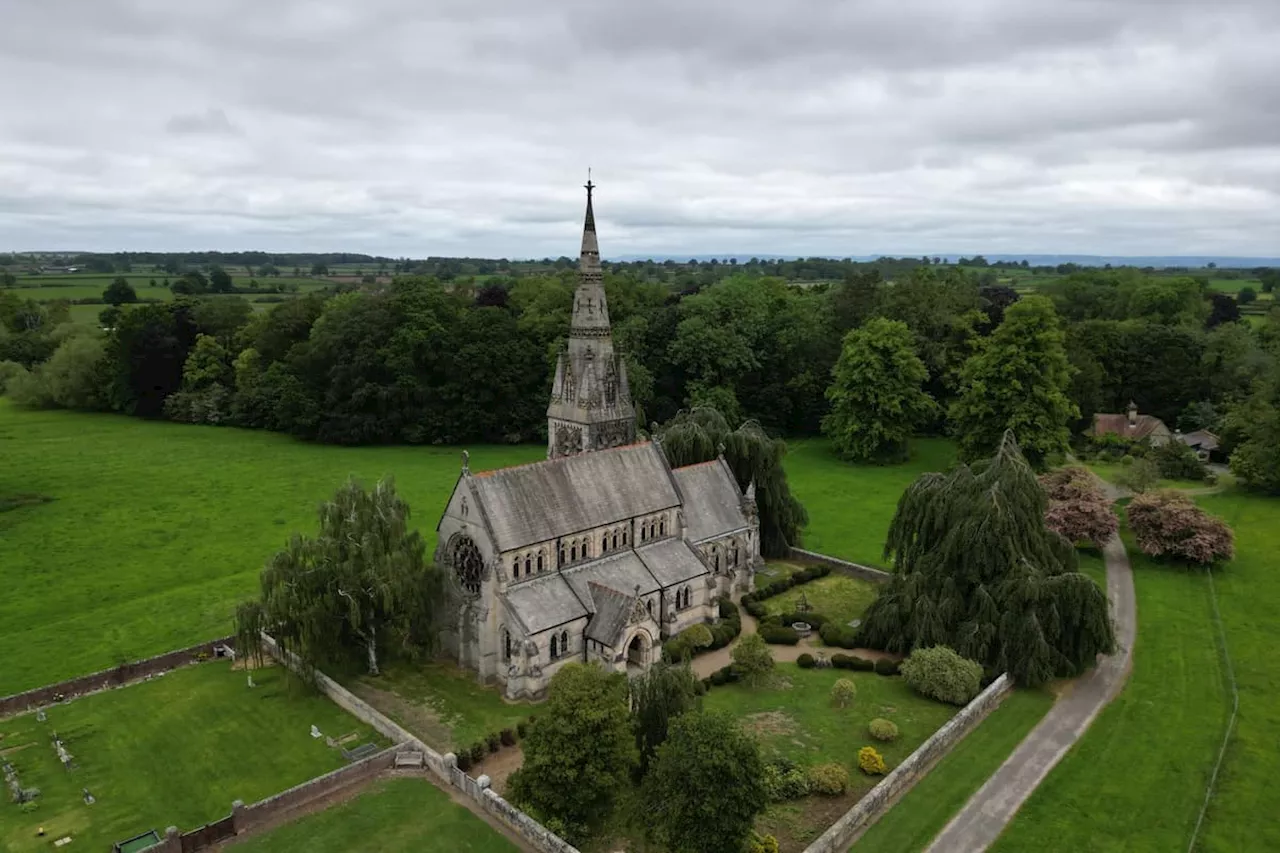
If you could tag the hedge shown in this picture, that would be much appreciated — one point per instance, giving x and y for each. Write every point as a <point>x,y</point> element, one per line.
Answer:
<point>841,636</point>
<point>675,649</point>
<point>782,635</point>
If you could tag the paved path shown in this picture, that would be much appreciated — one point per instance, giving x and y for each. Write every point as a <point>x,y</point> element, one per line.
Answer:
<point>988,811</point>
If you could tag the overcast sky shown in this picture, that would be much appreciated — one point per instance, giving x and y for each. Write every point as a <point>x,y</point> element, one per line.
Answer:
<point>416,127</point>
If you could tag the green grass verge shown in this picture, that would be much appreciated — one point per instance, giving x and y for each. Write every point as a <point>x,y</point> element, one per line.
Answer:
<point>850,506</point>
<point>919,816</point>
<point>157,530</point>
<point>1110,471</point>
<point>440,703</point>
<point>838,596</point>
<point>393,816</point>
<point>175,750</point>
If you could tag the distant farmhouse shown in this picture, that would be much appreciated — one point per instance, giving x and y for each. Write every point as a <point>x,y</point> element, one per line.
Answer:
<point>1135,427</point>
<point>602,551</point>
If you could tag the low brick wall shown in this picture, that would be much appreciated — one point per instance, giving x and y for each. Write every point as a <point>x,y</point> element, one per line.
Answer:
<point>443,767</point>
<point>877,801</point>
<point>126,673</point>
<point>857,569</point>
<point>251,817</point>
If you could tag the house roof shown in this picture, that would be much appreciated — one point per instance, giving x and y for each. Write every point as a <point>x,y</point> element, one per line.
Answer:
<point>544,500</point>
<point>613,609</point>
<point>544,602</point>
<point>671,561</point>
<point>1143,426</point>
<point>712,502</point>
<point>1200,438</point>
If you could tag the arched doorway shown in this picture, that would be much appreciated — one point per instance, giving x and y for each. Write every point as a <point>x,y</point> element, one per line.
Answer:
<point>638,652</point>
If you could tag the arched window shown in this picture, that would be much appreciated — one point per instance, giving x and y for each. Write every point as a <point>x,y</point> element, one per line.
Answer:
<point>662,527</point>
<point>624,536</point>
<point>615,539</point>
<point>643,532</point>
<point>564,642</point>
<point>555,652</point>
<point>562,553</point>
<point>716,558</point>
<point>539,561</point>
<point>506,644</point>
<point>573,552</point>
<point>648,605</point>
<point>515,568</point>
<point>528,564</point>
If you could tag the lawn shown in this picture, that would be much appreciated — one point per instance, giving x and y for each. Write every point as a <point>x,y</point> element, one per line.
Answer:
<point>172,751</point>
<point>157,530</point>
<point>839,597</point>
<point>795,718</point>
<point>393,815</point>
<point>850,506</point>
<point>919,816</point>
<point>439,703</point>
<point>1109,471</point>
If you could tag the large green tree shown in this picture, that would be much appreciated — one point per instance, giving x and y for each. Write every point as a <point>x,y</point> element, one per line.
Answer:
<point>360,588</point>
<point>705,788</point>
<point>698,436</point>
<point>658,696</point>
<point>1018,380</point>
<point>876,397</point>
<point>976,569</point>
<point>579,752</point>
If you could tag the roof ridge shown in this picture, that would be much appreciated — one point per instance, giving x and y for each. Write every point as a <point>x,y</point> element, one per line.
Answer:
<point>559,459</point>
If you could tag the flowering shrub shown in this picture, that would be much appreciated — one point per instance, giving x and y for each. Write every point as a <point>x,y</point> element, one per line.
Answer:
<point>871,762</point>
<point>762,844</point>
<point>1169,524</point>
<point>882,729</point>
<point>1078,508</point>
<point>830,779</point>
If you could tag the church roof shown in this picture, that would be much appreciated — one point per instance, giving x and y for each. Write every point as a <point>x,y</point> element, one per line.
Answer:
<point>544,500</point>
<point>613,609</point>
<point>671,561</point>
<point>623,571</point>
<point>544,602</point>
<point>712,502</point>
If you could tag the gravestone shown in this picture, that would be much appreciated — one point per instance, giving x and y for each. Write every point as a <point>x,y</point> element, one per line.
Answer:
<point>315,732</point>
<point>89,799</point>
<point>40,715</point>
<point>251,684</point>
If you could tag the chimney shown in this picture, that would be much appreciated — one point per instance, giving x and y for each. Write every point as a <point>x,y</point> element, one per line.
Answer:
<point>1133,414</point>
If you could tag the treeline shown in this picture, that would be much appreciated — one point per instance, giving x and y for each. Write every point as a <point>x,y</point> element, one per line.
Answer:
<point>424,361</point>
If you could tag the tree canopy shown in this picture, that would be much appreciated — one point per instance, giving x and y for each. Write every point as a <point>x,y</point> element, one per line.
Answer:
<point>359,588</point>
<point>976,569</point>
<point>876,398</point>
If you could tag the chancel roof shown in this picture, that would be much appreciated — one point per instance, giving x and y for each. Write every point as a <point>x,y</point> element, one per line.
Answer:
<point>544,602</point>
<point>612,612</point>
<point>623,571</point>
<point>544,500</point>
<point>712,502</point>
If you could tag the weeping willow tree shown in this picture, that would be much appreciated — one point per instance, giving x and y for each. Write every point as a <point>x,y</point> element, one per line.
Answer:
<point>360,588</point>
<point>977,570</point>
<point>696,435</point>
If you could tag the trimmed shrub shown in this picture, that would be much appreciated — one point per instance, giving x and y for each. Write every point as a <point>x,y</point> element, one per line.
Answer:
<point>756,609</point>
<point>522,729</point>
<point>1169,524</point>
<point>508,737</point>
<point>464,761</point>
<point>882,729</point>
<point>494,741</point>
<point>884,666</point>
<point>805,661</point>
<point>829,779</point>
<point>784,780</point>
<point>841,636</point>
<point>871,762</point>
<point>853,662</point>
<point>941,674</point>
<point>762,844</point>
<point>1177,461</point>
<point>479,750</point>
<point>843,692</point>
<point>782,635</point>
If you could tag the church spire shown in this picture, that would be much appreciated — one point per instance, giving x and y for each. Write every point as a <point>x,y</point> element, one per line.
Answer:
<point>590,312</point>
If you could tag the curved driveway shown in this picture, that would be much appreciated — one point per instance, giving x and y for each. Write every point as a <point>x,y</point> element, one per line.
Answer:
<point>984,817</point>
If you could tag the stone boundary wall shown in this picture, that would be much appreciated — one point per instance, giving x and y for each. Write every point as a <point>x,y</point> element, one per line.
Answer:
<point>917,765</point>
<point>443,767</point>
<point>251,817</point>
<point>857,569</point>
<point>125,673</point>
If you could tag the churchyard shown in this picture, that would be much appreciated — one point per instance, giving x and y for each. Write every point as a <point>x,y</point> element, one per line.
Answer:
<point>175,750</point>
<point>395,815</point>
<point>839,597</point>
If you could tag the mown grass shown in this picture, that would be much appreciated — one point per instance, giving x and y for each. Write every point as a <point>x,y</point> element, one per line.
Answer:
<point>1111,471</point>
<point>850,506</point>
<point>175,750</point>
<point>919,816</point>
<point>393,816</point>
<point>1135,781</point>
<point>838,596</point>
<point>157,530</point>
<point>440,703</point>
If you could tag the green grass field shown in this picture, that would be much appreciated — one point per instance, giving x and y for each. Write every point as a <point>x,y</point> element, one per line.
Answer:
<point>795,718</point>
<point>850,506</point>
<point>439,703</point>
<point>915,819</point>
<point>393,816</point>
<point>839,597</point>
<point>175,750</point>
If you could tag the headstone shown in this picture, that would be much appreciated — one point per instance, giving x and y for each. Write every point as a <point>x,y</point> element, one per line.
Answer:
<point>251,684</point>
<point>315,732</point>
<point>88,798</point>
<point>40,715</point>
<point>64,840</point>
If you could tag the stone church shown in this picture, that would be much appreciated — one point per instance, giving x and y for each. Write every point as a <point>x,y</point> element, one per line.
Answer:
<point>603,550</point>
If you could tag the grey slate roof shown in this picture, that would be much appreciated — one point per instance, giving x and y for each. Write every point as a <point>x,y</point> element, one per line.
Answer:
<point>672,561</point>
<point>544,500</point>
<point>622,571</point>
<point>612,611</point>
<point>544,602</point>
<point>712,502</point>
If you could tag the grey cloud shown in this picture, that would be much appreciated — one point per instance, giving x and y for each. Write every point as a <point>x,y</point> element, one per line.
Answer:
<point>212,122</point>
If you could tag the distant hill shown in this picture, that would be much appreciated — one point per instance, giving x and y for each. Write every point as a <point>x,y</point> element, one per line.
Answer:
<point>1225,261</point>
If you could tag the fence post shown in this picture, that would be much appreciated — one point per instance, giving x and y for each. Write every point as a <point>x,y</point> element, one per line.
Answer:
<point>237,816</point>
